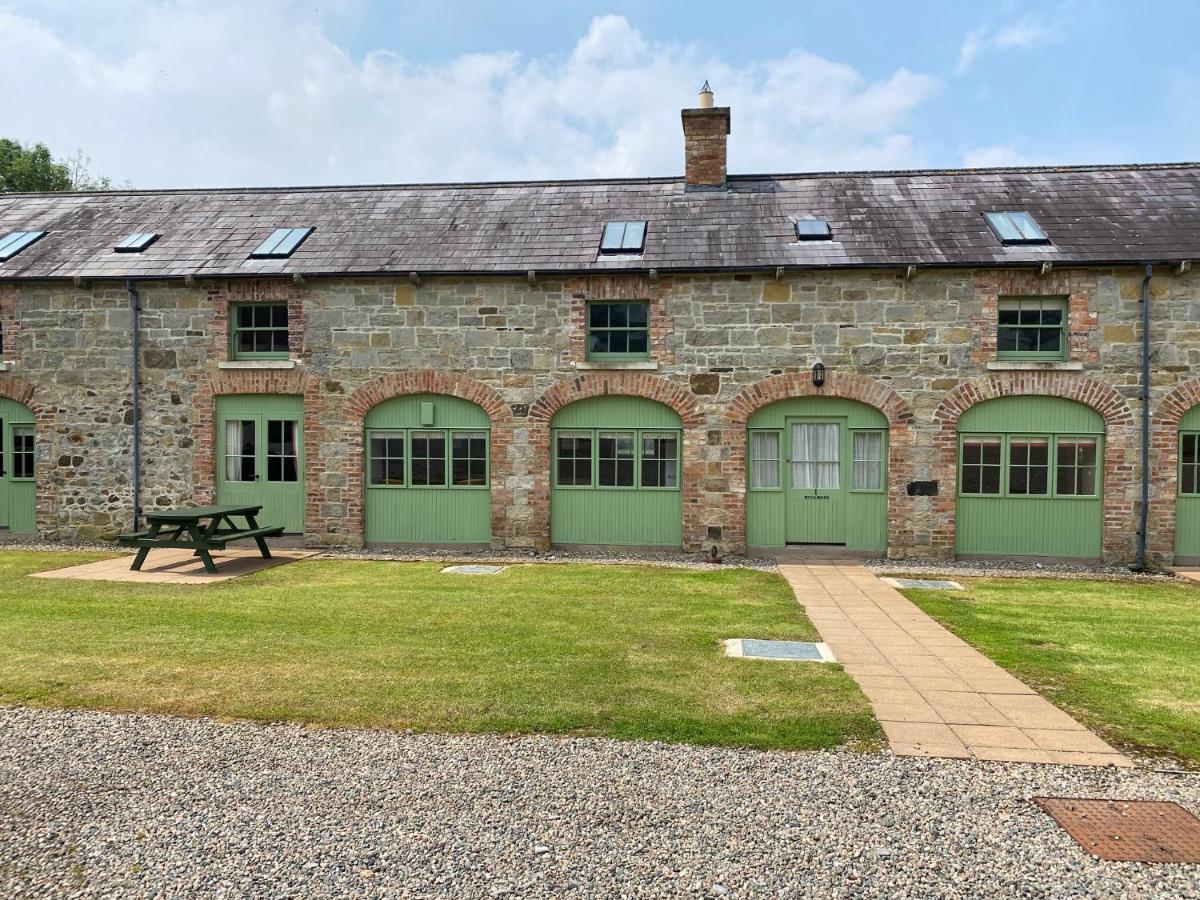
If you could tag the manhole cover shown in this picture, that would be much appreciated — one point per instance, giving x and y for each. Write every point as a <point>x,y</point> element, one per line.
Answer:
<point>796,650</point>
<point>1128,830</point>
<point>924,584</point>
<point>474,570</point>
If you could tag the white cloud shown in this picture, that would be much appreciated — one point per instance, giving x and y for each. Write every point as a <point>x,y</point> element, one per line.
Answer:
<point>996,155</point>
<point>1025,33</point>
<point>224,92</point>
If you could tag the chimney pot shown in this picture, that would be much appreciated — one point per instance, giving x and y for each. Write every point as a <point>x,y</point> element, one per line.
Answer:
<point>705,136</point>
<point>706,97</point>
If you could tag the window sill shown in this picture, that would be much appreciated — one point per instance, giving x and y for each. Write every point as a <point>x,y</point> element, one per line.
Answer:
<point>1033,365</point>
<point>636,365</point>
<point>257,364</point>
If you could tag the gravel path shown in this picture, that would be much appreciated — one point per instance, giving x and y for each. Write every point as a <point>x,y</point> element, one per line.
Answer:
<point>96,804</point>
<point>1009,567</point>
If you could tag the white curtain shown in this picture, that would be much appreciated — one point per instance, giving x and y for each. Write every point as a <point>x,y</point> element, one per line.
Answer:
<point>868,461</point>
<point>816,455</point>
<point>233,450</point>
<point>764,459</point>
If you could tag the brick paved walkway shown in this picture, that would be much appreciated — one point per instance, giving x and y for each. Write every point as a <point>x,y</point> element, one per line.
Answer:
<point>175,566</point>
<point>933,693</point>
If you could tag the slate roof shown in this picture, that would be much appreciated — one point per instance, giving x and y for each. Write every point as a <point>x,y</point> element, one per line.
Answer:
<point>1093,215</point>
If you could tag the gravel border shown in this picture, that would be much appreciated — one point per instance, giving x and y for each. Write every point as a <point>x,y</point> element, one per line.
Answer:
<point>1014,568</point>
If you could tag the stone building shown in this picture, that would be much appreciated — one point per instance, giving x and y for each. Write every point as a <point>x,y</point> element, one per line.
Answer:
<point>918,363</point>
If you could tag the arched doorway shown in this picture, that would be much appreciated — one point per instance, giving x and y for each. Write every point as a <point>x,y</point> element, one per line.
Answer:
<point>18,485</point>
<point>428,471</point>
<point>1030,473</point>
<point>617,473</point>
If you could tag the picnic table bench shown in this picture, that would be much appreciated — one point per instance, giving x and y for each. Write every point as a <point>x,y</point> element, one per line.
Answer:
<point>182,528</point>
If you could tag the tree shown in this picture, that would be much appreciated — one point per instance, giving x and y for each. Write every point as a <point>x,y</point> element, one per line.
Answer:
<point>32,168</point>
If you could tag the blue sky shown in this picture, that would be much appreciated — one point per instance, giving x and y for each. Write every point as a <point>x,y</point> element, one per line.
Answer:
<point>218,92</point>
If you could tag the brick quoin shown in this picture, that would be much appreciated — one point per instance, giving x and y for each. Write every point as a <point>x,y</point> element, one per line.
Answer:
<point>1164,463</point>
<point>628,384</point>
<point>844,386</point>
<point>1077,286</point>
<point>21,391</point>
<point>1120,449</point>
<point>587,289</point>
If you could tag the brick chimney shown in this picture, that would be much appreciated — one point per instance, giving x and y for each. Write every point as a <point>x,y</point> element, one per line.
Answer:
<point>705,134</point>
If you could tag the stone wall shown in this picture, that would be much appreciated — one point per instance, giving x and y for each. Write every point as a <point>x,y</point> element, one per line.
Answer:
<point>723,344</point>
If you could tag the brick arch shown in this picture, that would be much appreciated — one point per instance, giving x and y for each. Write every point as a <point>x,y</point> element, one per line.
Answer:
<point>1164,456</point>
<point>425,381</point>
<point>628,384</point>
<point>1120,451</point>
<point>21,391</point>
<point>843,386</point>
<point>227,382</point>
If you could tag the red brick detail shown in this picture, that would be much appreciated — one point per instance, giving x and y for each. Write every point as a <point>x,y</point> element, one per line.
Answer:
<point>618,383</point>
<point>583,290</point>
<point>705,136</point>
<point>426,381</point>
<point>845,386</point>
<point>1164,463</point>
<point>10,324</point>
<point>1120,451</point>
<point>1083,339</point>
<point>21,391</point>
<point>222,294</point>
<point>288,382</point>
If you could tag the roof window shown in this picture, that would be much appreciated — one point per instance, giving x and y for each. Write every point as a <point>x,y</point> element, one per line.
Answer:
<point>281,244</point>
<point>813,230</point>
<point>135,243</point>
<point>623,237</point>
<point>12,244</point>
<point>1016,228</point>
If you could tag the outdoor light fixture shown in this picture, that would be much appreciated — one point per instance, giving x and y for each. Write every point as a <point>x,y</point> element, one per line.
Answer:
<point>818,373</point>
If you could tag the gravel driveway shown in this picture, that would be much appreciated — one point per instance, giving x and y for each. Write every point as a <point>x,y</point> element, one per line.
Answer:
<point>95,804</point>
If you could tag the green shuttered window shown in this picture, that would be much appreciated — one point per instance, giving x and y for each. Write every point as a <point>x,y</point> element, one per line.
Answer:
<point>629,460</point>
<point>618,331</point>
<point>259,331</point>
<point>435,458</point>
<point>1028,466</point>
<point>1032,328</point>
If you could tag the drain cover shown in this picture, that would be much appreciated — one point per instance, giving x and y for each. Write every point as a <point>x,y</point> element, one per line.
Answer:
<point>795,650</point>
<point>924,584</point>
<point>1128,830</point>
<point>474,570</point>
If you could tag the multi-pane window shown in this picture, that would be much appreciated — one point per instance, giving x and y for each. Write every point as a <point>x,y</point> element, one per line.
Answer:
<point>427,458</point>
<point>387,458</point>
<point>816,455</point>
<point>282,458</point>
<point>1032,328</point>
<point>981,465</point>
<point>1029,466</point>
<point>617,459</point>
<point>1076,459</point>
<point>764,459</point>
<point>867,474</point>
<point>260,331</point>
<point>22,439</point>
<point>240,437</point>
<point>1189,464</point>
<point>660,460</point>
<point>618,330</point>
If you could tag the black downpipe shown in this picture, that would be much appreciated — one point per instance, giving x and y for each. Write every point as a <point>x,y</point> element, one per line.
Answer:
<point>1144,514</point>
<point>135,307</point>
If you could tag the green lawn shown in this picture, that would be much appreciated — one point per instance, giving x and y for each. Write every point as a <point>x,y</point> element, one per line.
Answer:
<point>621,651</point>
<point>1122,657</point>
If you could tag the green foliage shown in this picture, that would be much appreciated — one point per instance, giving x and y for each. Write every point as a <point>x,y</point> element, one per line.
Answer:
<point>32,168</point>
<point>621,651</point>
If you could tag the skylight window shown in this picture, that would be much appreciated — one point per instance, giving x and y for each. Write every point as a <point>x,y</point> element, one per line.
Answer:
<point>812,230</point>
<point>135,243</point>
<point>1016,228</point>
<point>12,244</point>
<point>623,237</point>
<point>281,244</point>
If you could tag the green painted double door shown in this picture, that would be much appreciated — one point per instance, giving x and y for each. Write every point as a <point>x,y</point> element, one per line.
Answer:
<point>260,456</point>
<point>18,487</point>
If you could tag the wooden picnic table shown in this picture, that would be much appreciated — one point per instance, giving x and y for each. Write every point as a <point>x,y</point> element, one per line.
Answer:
<point>183,528</point>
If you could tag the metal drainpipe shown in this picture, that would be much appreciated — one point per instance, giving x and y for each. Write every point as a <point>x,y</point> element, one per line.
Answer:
<point>1144,516</point>
<point>135,306</point>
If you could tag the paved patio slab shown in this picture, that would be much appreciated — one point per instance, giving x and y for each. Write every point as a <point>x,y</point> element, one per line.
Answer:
<point>934,694</point>
<point>173,566</point>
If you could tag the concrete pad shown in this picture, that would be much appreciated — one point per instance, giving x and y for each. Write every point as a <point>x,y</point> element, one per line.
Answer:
<point>994,736</point>
<point>173,566</point>
<point>1076,741</point>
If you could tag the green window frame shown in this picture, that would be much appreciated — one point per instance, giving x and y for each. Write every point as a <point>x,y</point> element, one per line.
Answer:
<point>23,453</point>
<point>765,460</point>
<point>258,331</point>
<point>1189,463</point>
<point>868,460</point>
<point>1024,466</point>
<point>618,330</point>
<point>1031,328</point>
<point>618,459</point>
<point>456,459</point>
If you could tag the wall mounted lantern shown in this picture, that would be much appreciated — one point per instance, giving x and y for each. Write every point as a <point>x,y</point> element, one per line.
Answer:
<point>818,373</point>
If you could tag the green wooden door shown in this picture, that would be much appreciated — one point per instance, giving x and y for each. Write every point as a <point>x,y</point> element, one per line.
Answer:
<point>1029,479</point>
<point>18,487</point>
<point>260,456</point>
<point>617,474</point>
<point>428,471</point>
<point>1187,502</point>
<point>817,474</point>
